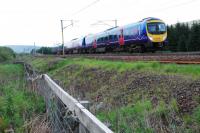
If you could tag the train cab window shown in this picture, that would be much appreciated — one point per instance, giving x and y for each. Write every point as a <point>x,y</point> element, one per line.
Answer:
<point>156,28</point>
<point>162,27</point>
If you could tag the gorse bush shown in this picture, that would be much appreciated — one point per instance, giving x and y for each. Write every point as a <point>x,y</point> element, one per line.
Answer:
<point>6,54</point>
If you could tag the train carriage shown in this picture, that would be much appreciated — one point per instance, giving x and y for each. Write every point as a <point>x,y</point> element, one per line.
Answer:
<point>148,34</point>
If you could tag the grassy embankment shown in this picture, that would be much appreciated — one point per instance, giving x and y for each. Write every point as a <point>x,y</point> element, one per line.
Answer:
<point>17,104</point>
<point>136,97</point>
<point>51,65</point>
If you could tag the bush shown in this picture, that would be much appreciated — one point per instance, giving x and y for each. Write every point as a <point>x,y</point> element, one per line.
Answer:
<point>6,54</point>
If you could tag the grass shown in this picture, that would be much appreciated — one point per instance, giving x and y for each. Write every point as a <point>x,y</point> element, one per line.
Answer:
<point>128,119</point>
<point>139,112</point>
<point>120,66</point>
<point>193,70</point>
<point>138,118</point>
<point>17,104</point>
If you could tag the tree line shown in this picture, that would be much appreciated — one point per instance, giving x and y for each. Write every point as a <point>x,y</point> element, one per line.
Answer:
<point>43,50</point>
<point>182,37</point>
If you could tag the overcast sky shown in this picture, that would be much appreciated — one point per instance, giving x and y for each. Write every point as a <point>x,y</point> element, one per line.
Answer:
<point>23,22</point>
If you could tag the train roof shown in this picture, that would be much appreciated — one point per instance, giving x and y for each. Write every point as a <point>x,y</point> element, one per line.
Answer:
<point>149,18</point>
<point>112,28</point>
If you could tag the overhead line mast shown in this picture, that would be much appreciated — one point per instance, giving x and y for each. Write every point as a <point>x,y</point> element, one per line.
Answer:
<point>62,29</point>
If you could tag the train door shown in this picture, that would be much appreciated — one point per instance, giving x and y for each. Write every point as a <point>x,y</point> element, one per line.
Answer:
<point>121,38</point>
<point>95,43</point>
<point>83,42</point>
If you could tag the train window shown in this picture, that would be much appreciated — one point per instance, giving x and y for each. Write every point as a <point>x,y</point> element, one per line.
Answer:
<point>135,31</point>
<point>161,27</point>
<point>130,32</point>
<point>98,40</point>
<point>107,38</point>
<point>126,32</point>
<point>156,28</point>
<point>112,37</point>
<point>115,37</point>
<point>152,28</point>
<point>139,29</point>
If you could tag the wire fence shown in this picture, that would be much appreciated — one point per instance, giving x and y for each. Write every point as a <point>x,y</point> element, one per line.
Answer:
<point>60,117</point>
<point>65,114</point>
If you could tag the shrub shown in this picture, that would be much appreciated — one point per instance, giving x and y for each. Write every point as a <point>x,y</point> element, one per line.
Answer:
<point>6,54</point>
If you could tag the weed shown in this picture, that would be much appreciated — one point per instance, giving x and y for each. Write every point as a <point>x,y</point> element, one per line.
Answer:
<point>16,104</point>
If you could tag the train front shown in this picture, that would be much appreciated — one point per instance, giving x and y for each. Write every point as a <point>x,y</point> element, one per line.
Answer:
<point>157,33</point>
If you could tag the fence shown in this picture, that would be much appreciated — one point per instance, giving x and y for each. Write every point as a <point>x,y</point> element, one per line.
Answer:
<point>66,114</point>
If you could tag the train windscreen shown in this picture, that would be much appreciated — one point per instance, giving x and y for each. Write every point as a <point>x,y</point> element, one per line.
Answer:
<point>156,28</point>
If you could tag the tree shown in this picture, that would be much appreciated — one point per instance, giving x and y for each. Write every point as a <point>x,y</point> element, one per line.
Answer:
<point>194,38</point>
<point>181,37</point>
<point>45,50</point>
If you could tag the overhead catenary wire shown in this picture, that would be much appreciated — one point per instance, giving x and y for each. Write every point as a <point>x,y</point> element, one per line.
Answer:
<point>86,7</point>
<point>174,6</point>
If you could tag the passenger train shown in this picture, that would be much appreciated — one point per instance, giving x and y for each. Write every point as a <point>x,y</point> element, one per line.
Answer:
<point>149,34</point>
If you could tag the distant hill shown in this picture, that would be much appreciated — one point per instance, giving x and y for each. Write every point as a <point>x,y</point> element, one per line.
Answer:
<point>22,48</point>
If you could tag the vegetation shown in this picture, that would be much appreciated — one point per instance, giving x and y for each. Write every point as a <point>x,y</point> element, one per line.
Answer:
<point>131,96</point>
<point>140,116</point>
<point>181,37</point>
<point>17,104</point>
<point>52,65</point>
<point>45,50</point>
<point>6,54</point>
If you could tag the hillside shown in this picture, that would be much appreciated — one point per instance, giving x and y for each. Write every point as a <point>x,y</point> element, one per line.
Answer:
<point>22,48</point>
<point>131,97</point>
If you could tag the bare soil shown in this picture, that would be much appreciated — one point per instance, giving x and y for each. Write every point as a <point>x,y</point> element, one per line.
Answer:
<point>108,90</point>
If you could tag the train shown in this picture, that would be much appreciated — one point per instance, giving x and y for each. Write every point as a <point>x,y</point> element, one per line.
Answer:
<point>149,34</point>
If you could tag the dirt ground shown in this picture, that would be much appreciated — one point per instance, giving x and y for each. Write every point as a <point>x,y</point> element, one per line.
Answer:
<point>109,90</point>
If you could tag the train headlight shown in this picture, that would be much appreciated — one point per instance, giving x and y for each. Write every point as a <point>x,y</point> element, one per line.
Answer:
<point>151,38</point>
<point>164,38</point>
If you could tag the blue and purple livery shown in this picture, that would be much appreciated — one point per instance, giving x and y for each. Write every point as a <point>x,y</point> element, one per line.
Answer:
<point>147,34</point>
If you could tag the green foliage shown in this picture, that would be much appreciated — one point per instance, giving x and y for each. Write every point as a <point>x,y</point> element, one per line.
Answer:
<point>120,66</point>
<point>196,115</point>
<point>45,50</point>
<point>6,54</point>
<point>122,118</point>
<point>141,116</point>
<point>181,37</point>
<point>42,64</point>
<point>174,105</point>
<point>17,104</point>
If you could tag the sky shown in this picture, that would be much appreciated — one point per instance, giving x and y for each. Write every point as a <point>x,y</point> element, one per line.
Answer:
<point>23,22</point>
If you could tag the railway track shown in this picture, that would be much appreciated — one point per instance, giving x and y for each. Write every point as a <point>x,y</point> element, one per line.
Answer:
<point>178,57</point>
